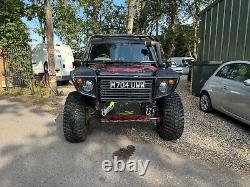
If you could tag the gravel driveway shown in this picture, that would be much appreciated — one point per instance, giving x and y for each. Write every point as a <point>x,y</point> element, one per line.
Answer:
<point>214,137</point>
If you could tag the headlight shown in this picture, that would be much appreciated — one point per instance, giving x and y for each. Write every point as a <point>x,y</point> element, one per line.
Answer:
<point>88,86</point>
<point>163,87</point>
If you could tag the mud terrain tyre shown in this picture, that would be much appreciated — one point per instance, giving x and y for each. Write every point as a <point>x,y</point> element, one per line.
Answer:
<point>74,118</point>
<point>171,113</point>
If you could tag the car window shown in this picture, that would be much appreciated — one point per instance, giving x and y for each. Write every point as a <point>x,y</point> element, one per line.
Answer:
<point>126,52</point>
<point>241,72</point>
<point>224,72</point>
<point>238,72</point>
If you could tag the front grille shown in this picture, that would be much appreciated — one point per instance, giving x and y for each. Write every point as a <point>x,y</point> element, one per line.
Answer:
<point>144,94</point>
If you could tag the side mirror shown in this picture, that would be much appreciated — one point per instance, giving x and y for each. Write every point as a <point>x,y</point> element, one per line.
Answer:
<point>247,82</point>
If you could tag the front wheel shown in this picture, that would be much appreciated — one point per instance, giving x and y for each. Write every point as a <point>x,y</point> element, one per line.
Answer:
<point>74,118</point>
<point>171,114</point>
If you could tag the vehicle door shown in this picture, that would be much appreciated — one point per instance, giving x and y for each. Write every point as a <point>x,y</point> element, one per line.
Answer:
<point>217,84</point>
<point>66,60</point>
<point>58,61</point>
<point>237,98</point>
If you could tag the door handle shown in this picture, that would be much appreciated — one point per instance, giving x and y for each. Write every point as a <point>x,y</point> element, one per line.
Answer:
<point>225,87</point>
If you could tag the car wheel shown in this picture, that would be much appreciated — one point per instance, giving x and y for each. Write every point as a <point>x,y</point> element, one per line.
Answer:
<point>74,118</point>
<point>171,114</point>
<point>205,103</point>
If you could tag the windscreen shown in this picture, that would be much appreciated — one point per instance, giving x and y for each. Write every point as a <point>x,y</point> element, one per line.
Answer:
<point>122,52</point>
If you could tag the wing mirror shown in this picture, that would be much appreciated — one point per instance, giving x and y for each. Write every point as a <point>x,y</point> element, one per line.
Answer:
<point>247,82</point>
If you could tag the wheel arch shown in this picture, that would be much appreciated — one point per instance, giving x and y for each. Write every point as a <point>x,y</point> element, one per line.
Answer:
<point>204,91</point>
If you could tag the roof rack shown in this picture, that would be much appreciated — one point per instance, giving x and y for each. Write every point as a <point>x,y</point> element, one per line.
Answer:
<point>121,35</point>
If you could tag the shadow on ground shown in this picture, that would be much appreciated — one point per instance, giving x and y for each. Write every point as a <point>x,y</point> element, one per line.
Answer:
<point>44,159</point>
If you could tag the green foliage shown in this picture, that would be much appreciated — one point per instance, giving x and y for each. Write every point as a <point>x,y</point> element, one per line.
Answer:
<point>76,21</point>
<point>35,9</point>
<point>18,67</point>
<point>113,18</point>
<point>13,31</point>
<point>184,40</point>
<point>68,25</point>
<point>154,15</point>
<point>184,43</point>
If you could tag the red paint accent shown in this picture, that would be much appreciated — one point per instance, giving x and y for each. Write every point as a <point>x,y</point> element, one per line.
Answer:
<point>131,69</point>
<point>127,117</point>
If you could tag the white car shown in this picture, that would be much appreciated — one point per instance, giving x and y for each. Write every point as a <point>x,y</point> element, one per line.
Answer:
<point>228,91</point>
<point>176,67</point>
<point>181,64</point>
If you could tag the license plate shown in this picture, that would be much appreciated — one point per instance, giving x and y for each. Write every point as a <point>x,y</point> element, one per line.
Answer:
<point>127,84</point>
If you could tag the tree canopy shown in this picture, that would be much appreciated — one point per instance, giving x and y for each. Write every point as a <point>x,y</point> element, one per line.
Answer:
<point>13,32</point>
<point>174,23</point>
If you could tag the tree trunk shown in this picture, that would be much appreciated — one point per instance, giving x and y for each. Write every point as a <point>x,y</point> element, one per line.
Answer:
<point>196,38</point>
<point>50,43</point>
<point>96,4</point>
<point>157,28</point>
<point>141,22</point>
<point>172,28</point>
<point>196,26</point>
<point>131,15</point>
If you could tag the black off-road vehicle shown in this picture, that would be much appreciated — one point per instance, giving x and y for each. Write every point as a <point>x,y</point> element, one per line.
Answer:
<point>123,78</point>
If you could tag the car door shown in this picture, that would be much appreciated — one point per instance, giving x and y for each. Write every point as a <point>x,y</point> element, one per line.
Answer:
<point>237,97</point>
<point>217,85</point>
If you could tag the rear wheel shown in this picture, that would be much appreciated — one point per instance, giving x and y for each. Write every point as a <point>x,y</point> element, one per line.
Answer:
<point>74,118</point>
<point>171,113</point>
<point>205,103</point>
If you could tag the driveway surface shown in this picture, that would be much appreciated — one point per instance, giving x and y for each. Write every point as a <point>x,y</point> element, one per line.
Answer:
<point>33,152</point>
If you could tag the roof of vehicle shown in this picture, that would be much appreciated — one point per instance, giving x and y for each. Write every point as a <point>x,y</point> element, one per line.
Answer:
<point>231,62</point>
<point>119,37</point>
<point>237,62</point>
<point>180,58</point>
<point>43,45</point>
